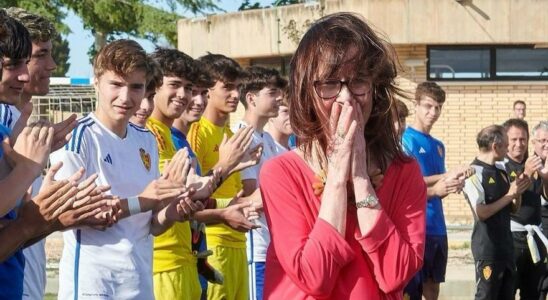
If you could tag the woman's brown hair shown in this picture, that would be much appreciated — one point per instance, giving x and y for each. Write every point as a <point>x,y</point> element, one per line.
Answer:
<point>322,53</point>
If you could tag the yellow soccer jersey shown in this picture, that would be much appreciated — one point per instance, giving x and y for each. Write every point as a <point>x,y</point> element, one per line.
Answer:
<point>204,138</point>
<point>173,248</point>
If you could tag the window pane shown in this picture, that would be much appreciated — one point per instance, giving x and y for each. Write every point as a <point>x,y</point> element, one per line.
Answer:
<point>522,62</point>
<point>459,64</point>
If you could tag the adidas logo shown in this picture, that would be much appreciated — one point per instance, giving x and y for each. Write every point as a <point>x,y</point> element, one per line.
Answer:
<point>491,180</point>
<point>422,151</point>
<point>108,159</point>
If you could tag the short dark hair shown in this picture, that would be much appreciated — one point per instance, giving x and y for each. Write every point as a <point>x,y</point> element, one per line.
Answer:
<point>258,78</point>
<point>430,89</point>
<point>222,68</point>
<point>175,63</point>
<point>156,78</point>
<point>518,123</point>
<point>202,79</point>
<point>519,102</point>
<point>40,29</point>
<point>15,40</point>
<point>493,134</point>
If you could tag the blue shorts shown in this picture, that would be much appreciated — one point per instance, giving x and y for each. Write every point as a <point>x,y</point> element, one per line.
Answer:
<point>435,258</point>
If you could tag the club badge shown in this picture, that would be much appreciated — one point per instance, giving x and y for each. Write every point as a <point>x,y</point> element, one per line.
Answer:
<point>487,271</point>
<point>145,157</point>
<point>440,150</point>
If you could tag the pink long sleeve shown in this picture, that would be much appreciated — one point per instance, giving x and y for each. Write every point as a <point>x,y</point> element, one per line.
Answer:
<point>311,252</point>
<point>308,259</point>
<point>395,245</point>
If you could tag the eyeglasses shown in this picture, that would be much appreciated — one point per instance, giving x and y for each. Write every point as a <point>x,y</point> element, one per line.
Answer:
<point>330,88</point>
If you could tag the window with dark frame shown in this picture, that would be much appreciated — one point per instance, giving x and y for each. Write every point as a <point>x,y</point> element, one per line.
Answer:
<point>490,62</point>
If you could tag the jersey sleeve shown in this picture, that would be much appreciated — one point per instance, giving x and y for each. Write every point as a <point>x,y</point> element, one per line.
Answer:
<point>407,144</point>
<point>473,191</point>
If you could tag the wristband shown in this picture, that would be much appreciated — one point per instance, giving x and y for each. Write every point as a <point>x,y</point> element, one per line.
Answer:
<point>133,205</point>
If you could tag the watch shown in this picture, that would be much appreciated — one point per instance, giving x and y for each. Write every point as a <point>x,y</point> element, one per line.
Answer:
<point>369,202</point>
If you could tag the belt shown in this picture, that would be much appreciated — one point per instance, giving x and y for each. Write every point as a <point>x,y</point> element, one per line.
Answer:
<point>531,230</point>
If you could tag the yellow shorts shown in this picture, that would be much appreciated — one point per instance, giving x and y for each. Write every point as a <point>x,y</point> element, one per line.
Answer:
<point>232,263</point>
<point>181,283</point>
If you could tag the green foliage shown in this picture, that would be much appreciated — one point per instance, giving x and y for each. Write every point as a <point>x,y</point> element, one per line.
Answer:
<point>156,23</point>
<point>60,53</point>
<point>286,2</point>
<point>246,5</point>
<point>51,10</point>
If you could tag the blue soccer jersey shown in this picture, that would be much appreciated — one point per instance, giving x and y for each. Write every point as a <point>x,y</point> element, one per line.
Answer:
<point>11,269</point>
<point>180,141</point>
<point>430,154</point>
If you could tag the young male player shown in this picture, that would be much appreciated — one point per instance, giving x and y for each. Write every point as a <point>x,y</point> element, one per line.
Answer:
<point>206,137</point>
<point>280,127</point>
<point>260,94</point>
<point>117,263</point>
<point>141,116</point>
<point>430,154</point>
<point>492,198</point>
<point>175,272</point>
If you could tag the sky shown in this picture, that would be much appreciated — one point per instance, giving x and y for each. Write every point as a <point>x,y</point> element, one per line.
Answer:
<point>80,40</point>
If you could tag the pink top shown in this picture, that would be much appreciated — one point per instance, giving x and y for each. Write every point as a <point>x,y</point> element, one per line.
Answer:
<point>308,259</point>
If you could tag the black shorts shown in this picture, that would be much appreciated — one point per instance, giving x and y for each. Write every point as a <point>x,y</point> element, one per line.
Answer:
<point>435,258</point>
<point>495,280</point>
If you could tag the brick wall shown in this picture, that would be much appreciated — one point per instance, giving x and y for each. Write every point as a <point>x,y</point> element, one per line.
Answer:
<point>469,107</point>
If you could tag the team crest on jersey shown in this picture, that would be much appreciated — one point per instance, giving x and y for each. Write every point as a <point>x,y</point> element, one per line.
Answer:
<point>491,180</point>
<point>145,157</point>
<point>487,271</point>
<point>440,151</point>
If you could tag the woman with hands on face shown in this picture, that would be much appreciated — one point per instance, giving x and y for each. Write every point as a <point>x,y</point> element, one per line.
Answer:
<point>346,209</point>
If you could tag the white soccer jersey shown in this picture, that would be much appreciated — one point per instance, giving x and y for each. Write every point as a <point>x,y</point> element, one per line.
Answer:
<point>34,282</point>
<point>115,263</point>
<point>258,239</point>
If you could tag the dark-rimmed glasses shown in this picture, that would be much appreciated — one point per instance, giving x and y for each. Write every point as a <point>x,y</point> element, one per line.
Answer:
<point>330,88</point>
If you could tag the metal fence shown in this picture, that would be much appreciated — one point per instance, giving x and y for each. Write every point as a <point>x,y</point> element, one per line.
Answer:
<point>62,101</point>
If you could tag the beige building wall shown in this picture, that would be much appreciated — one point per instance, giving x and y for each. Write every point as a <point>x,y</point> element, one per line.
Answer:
<point>260,33</point>
<point>469,107</point>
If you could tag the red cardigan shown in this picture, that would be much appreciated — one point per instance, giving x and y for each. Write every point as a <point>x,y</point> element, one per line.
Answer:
<point>308,259</point>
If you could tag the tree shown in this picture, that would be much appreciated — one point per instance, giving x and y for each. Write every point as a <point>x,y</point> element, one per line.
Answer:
<point>51,10</point>
<point>138,18</point>
<point>60,53</point>
<point>246,4</point>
